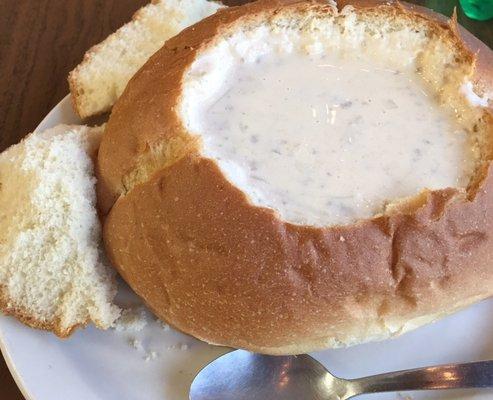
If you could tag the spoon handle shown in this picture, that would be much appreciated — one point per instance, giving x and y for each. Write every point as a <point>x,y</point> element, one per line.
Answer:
<point>453,376</point>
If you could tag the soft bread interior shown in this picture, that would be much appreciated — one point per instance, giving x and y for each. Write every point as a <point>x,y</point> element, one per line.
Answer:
<point>436,146</point>
<point>100,79</point>
<point>53,274</point>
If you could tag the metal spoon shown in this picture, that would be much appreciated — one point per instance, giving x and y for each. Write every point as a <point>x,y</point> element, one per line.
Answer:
<point>241,375</point>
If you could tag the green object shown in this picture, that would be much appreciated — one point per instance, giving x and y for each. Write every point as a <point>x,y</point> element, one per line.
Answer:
<point>444,7</point>
<point>478,9</point>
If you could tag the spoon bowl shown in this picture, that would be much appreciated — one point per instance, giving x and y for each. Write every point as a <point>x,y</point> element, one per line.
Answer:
<point>241,375</point>
<point>256,376</point>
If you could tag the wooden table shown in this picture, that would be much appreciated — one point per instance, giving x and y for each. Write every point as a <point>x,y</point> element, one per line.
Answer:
<point>42,40</point>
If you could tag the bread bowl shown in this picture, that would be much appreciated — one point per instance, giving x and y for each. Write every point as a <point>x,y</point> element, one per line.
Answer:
<point>237,263</point>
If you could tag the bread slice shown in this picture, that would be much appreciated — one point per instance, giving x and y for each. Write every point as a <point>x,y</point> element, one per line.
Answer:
<point>106,69</point>
<point>53,274</point>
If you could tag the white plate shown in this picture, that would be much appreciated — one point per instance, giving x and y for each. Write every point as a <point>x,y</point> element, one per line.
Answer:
<point>103,365</point>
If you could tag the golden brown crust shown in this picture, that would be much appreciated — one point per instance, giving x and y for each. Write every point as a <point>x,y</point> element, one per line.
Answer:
<point>215,266</point>
<point>28,318</point>
<point>274,287</point>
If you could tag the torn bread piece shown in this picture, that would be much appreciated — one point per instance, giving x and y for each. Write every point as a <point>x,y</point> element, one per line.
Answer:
<point>53,274</point>
<point>100,79</point>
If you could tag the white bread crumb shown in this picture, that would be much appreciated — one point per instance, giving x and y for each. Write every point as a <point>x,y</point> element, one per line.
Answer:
<point>179,346</point>
<point>152,355</point>
<point>136,344</point>
<point>132,319</point>
<point>53,273</point>
<point>163,325</point>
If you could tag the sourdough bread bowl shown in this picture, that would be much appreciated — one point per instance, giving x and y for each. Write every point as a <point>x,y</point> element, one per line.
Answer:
<point>316,244</point>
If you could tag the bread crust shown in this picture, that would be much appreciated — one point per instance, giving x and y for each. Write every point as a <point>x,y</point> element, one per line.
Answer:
<point>215,266</point>
<point>31,320</point>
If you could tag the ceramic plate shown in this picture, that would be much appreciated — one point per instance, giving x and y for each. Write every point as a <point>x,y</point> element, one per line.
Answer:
<point>159,364</point>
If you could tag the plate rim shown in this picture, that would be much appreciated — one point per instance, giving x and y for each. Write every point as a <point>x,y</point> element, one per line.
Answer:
<point>18,379</point>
